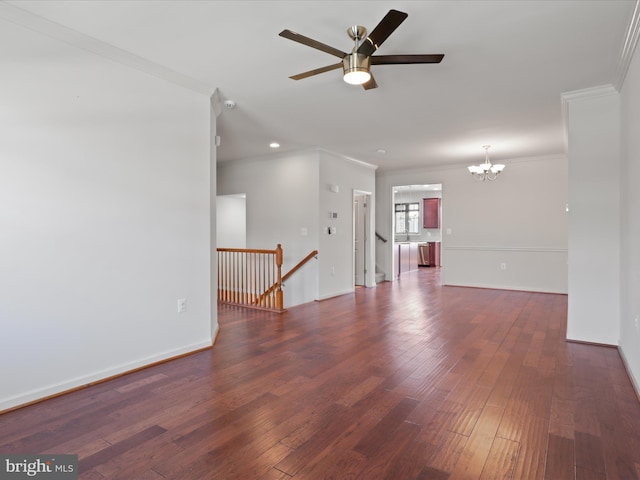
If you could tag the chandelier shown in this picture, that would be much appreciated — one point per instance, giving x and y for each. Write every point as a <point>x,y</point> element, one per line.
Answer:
<point>486,171</point>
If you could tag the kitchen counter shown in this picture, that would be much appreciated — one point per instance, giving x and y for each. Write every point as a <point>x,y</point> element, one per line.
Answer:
<point>406,257</point>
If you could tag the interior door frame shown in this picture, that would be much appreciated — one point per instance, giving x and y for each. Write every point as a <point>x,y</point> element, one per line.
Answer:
<point>369,253</point>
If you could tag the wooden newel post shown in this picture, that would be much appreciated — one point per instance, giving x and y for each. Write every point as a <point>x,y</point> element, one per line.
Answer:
<point>279,299</point>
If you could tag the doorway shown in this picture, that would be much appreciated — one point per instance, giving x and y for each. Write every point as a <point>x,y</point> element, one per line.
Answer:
<point>413,227</point>
<point>361,247</point>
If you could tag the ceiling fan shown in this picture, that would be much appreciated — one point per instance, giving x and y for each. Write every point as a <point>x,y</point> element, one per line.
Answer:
<point>356,65</point>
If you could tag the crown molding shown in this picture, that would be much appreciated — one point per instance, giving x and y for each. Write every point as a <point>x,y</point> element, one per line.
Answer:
<point>308,152</point>
<point>629,47</point>
<point>589,93</point>
<point>584,94</point>
<point>389,174</point>
<point>355,161</point>
<point>71,37</point>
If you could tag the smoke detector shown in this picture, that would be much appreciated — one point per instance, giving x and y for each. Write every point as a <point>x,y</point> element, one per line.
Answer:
<point>229,104</point>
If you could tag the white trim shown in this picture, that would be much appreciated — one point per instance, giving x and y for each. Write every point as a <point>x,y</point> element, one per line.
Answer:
<point>629,371</point>
<point>216,103</point>
<point>294,152</point>
<point>584,94</point>
<point>629,47</point>
<point>459,165</point>
<point>360,163</point>
<point>84,42</point>
<point>476,248</point>
<point>493,286</point>
<point>589,93</point>
<point>40,393</point>
<point>337,294</point>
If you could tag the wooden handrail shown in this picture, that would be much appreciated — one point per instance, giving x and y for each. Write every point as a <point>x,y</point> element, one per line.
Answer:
<point>380,237</point>
<point>288,274</point>
<point>248,250</point>
<point>300,264</point>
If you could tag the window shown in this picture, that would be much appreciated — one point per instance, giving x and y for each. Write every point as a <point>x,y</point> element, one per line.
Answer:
<point>407,218</point>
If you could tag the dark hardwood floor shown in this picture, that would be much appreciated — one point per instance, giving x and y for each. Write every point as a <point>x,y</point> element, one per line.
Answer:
<point>409,380</point>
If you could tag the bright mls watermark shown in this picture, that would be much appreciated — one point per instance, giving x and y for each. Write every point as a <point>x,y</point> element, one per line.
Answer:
<point>39,467</point>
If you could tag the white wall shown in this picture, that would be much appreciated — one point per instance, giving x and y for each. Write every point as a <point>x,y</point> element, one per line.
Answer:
<point>594,215</point>
<point>519,219</point>
<point>336,250</point>
<point>231,218</point>
<point>630,253</point>
<point>288,201</point>
<point>104,217</point>
<point>282,203</point>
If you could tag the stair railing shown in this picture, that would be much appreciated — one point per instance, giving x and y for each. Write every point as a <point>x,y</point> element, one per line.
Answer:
<point>244,275</point>
<point>253,278</point>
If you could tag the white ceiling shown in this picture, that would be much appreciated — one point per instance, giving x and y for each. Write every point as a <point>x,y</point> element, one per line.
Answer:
<point>506,65</point>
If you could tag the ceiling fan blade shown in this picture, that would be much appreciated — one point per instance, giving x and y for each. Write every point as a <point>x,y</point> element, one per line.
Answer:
<point>370,84</point>
<point>405,59</point>
<point>310,73</point>
<point>387,25</point>
<point>310,42</point>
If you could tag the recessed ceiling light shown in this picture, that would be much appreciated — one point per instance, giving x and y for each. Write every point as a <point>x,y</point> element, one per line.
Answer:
<point>381,151</point>
<point>274,145</point>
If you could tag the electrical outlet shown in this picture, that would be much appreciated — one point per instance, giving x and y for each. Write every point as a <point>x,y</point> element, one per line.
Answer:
<point>503,266</point>
<point>182,305</point>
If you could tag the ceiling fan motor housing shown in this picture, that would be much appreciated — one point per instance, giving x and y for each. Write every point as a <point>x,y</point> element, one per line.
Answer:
<point>357,32</point>
<point>356,62</point>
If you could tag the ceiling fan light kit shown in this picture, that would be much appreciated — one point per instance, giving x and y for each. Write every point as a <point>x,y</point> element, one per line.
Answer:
<point>356,65</point>
<point>356,69</point>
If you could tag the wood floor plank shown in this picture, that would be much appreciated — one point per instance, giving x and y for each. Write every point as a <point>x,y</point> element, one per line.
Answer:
<point>586,474</point>
<point>360,391</point>
<point>382,464</point>
<point>338,459</point>
<point>408,380</point>
<point>326,432</point>
<point>102,456</point>
<point>411,461</point>
<point>377,437</point>
<point>589,453</point>
<point>477,448</point>
<point>560,461</point>
<point>448,451</point>
<point>532,435</point>
<point>501,460</point>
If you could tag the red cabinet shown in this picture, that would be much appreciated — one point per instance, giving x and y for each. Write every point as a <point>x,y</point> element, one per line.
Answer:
<point>431,213</point>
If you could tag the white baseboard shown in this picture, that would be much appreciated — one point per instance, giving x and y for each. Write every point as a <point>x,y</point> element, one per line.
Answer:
<point>336,294</point>
<point>506,287</point>
<point>634,381</point>
<point>85,380</point>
